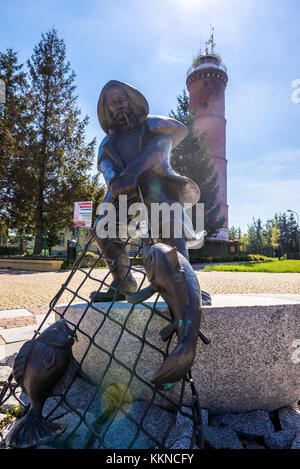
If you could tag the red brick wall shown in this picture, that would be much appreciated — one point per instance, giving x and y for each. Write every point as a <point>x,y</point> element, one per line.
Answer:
<point>211,119</point>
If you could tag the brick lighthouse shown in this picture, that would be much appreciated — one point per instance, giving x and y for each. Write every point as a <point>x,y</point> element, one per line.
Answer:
<point>206,82</point>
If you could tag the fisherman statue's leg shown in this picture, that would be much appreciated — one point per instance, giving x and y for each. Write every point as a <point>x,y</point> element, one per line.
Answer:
<point>173,242</point>
<point>176,224</point>
<point>117,261</point>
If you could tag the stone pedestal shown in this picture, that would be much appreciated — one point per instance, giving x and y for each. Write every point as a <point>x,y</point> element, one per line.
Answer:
<point>253,361</point>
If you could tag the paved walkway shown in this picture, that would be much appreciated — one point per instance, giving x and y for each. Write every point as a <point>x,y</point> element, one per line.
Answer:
<point>17,326</point>
<point>23,289</point>
<point>25,296</point>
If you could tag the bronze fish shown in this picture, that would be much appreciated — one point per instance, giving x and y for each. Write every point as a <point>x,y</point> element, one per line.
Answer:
<point>170,274</point>
<point>43,367</point>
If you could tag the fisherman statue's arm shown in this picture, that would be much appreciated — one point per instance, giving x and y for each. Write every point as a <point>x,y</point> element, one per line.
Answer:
<point>110,165</point>
<point>107,163</point>
<point>166,134</point>
<point>157,150</point>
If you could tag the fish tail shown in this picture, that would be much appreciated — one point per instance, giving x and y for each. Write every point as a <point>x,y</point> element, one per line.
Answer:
<point>32,430</point>
<point>175,368</point>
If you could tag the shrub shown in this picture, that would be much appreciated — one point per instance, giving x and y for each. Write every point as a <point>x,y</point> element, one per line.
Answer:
<point>67,265</point>
<point>259,257</point>
<point>87,261</point>
<point>195,258</point>
<point>9,250</point>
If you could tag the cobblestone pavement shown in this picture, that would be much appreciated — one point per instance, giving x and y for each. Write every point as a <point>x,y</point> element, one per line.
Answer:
<point>22,289</point>
<point>25,296</point>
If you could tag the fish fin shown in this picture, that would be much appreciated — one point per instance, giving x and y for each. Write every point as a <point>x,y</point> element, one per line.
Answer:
<point>206,298</point>
<point>20,362</point>
<point>66,379</point>
<point>172,255</point>
<point>174,368</point>
<point>32,430</point>
<point>167,331</point>
<point>181,286</point>
<point>50,360</point>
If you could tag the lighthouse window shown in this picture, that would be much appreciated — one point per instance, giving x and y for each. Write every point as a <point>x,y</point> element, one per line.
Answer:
<point>205,84</point>
<point>205,105</point>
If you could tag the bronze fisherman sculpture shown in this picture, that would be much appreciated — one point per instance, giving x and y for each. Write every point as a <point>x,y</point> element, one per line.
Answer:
<point>134,158</point>
<point>136,151</point>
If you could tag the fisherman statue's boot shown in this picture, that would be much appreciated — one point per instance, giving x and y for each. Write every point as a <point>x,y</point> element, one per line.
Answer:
<point>117,261</point>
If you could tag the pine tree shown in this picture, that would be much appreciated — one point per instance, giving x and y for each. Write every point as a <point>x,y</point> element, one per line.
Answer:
<point>255,236</point>
<point>252,240</point>
<point>284,231</point>
<point>293,241</point>
<point>191,158</point>
<point>16,178</point>
<point>59,157</point>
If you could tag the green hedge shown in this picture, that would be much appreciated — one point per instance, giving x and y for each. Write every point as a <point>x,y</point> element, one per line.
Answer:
<point>242,258</point>
<point>9,250</point>
<point>88,261</point>
<point>90,258</point>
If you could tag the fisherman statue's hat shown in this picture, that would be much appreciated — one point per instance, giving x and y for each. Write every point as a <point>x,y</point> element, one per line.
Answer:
<point>137,100</point>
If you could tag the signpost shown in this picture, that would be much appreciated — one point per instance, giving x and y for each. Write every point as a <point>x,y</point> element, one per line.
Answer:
<point>82,218</point>
<point>82,214</point>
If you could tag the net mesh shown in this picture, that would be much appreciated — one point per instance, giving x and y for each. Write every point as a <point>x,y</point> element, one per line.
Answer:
<point>122,401</point>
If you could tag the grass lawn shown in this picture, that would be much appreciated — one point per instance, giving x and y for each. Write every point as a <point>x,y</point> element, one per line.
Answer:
<point>274,266</point>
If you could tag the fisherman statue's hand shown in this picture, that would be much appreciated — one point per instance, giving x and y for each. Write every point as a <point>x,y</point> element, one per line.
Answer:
<point>125,184</point>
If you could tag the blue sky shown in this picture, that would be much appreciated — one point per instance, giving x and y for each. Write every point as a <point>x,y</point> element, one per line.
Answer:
<point>151,45</point>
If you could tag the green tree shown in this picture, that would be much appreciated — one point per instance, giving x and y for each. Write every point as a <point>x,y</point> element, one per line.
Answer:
<point>275,236</point>
<point>293,234</point>
<point>255,236</point>
<point>284,231</point>
<point>268,231</point>
<point>191,158</point>
<point>244,243</point>
<point>58,155</point>
<point>16,179</point>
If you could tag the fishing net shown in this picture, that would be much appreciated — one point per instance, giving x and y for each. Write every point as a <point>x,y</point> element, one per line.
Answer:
<point>119,408</point>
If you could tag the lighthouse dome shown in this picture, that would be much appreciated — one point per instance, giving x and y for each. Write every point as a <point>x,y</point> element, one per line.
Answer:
<point>207,60</point>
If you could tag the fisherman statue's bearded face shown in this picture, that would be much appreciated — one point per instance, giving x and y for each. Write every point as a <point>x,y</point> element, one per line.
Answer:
<point>120,107</point>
